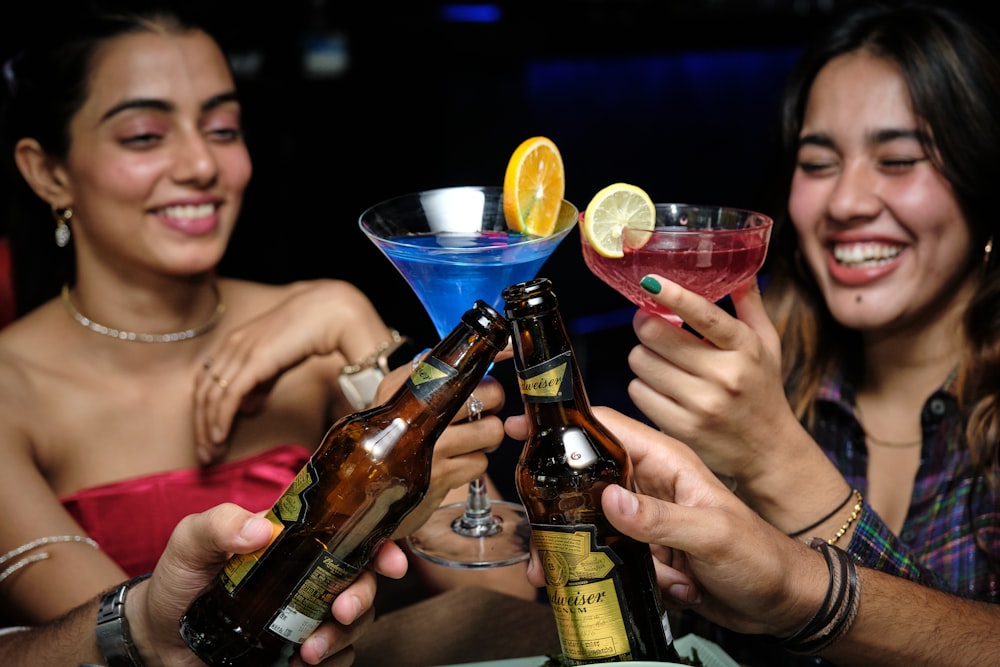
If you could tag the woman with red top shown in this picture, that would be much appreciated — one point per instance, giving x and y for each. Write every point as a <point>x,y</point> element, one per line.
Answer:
<point>151,387</point>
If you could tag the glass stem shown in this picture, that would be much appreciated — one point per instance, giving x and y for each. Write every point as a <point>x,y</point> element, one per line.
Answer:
<point>477,519</point>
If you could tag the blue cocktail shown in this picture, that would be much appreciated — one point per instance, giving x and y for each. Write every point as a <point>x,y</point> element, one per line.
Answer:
<point>452,246</point>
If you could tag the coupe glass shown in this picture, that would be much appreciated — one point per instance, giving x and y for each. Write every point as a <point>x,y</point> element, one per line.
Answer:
<point>706,249</point>
<point>452,246</point>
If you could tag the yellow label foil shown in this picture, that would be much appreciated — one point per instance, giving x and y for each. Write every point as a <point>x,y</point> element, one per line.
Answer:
<point>582,588</point>
<point>547,382</point>
<point>287,510</point>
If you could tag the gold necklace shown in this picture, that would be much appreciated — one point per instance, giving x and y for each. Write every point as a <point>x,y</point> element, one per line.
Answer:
<point>134,336</point>
<point>879,442</point>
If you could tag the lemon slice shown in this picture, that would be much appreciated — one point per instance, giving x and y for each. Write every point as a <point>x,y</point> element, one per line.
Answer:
<point>533,187</point>
<point>611,210</point>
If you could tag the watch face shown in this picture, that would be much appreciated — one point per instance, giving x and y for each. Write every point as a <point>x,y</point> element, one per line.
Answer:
<point>359,388</point>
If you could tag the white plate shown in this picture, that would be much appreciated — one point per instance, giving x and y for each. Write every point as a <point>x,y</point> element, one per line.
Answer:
<point>534,661</point>
<point>539,660</point>
<point>710,654</point>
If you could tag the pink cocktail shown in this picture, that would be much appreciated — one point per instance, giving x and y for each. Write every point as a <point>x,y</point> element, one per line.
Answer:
<point>706,249</point>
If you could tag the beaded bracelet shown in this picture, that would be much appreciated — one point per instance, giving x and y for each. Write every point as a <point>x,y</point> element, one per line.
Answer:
<point>826,518</point>
<point>840,605</point>
<point>855,513</point>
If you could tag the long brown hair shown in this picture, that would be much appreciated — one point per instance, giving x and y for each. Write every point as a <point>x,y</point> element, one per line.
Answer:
<point>952,73</point>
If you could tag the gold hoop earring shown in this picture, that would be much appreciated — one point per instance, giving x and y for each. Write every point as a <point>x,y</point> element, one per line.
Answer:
<point>62,217</point>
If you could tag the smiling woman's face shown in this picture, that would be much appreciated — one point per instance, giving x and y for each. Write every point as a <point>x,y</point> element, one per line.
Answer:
<point>878,224</point>
<point>157,165</point>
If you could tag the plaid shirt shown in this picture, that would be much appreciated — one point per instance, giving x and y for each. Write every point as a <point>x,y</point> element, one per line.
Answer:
<point>937,545</point>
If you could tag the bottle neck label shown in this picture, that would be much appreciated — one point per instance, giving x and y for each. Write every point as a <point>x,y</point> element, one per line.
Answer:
<point>428,377</point>
<point>548,382</point>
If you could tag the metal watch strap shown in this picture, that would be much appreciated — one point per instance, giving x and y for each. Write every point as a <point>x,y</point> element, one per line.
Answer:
<point>359,381</point>
<point>113,637</point>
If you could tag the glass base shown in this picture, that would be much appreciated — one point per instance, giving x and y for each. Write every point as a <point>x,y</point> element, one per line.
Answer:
<point>497,540</point>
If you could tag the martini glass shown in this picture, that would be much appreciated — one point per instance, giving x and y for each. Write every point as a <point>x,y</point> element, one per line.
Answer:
<point>452,246</point>
<point>709,250</point>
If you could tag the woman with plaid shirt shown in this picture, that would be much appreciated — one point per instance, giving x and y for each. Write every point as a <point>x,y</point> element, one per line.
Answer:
<point>856,399</point>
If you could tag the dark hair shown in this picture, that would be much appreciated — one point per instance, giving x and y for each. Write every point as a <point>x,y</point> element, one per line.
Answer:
<point>952,72</point>
<point>46,84</point>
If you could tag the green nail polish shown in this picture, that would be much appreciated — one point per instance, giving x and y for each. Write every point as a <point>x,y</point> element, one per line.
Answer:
<point>651,285</point>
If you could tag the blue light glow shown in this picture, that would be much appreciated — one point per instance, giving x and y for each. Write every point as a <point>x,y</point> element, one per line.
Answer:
<point>482,13</point>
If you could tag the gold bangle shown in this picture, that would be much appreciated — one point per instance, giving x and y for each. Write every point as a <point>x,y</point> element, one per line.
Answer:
<point>855,513</point>
<point>372,359</point>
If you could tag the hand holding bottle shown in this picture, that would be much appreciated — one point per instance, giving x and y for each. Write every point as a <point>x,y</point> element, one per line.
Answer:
<point>601,583</point>
<point>714,555</point>
<point>460,452</point>
<point>371,470</point>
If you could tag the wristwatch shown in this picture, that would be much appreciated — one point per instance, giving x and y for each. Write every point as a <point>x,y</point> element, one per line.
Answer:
<point>359,381</point>
<point>113,637</point>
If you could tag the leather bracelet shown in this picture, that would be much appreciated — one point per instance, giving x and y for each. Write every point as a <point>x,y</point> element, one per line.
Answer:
<point>840,605</point>
<point>113,637</point>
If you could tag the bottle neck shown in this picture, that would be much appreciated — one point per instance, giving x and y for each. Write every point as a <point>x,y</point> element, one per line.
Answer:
<point>547,370</point>
<point>443,380</point>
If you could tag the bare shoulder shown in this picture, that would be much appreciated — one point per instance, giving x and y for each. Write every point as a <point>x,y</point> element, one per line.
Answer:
<point>254,298</point>
<point>32,351</point>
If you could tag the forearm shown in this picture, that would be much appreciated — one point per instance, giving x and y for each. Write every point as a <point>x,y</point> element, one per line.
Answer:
<point>69,640</point>
<point>797,485</point>
<point>903,623</point>
<point>795,500</point>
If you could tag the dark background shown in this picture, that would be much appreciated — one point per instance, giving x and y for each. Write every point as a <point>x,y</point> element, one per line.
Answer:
<point>350,103</point>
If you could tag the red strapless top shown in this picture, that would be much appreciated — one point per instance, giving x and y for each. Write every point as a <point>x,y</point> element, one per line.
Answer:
<point>132,519</point>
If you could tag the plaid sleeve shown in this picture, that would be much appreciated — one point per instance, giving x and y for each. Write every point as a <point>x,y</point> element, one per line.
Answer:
<point>875,546</point>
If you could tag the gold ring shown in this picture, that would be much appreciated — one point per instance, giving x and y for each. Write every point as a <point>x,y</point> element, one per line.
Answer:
<point>222,382</point>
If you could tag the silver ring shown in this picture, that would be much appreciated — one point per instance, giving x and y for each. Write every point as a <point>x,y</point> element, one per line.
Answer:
<point>475,407</point>
<point>207,363</point>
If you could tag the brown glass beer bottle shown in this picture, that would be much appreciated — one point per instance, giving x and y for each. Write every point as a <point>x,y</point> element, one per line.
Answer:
<point>371,470</point>
<point>601,584</point>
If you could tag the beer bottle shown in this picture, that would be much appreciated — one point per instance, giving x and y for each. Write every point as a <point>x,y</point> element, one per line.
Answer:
<point>601,584</point>
<point>371,469</point>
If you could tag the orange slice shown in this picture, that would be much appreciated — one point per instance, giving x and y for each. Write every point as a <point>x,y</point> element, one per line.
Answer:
<point>533,187</point>
<point>611,210</point>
